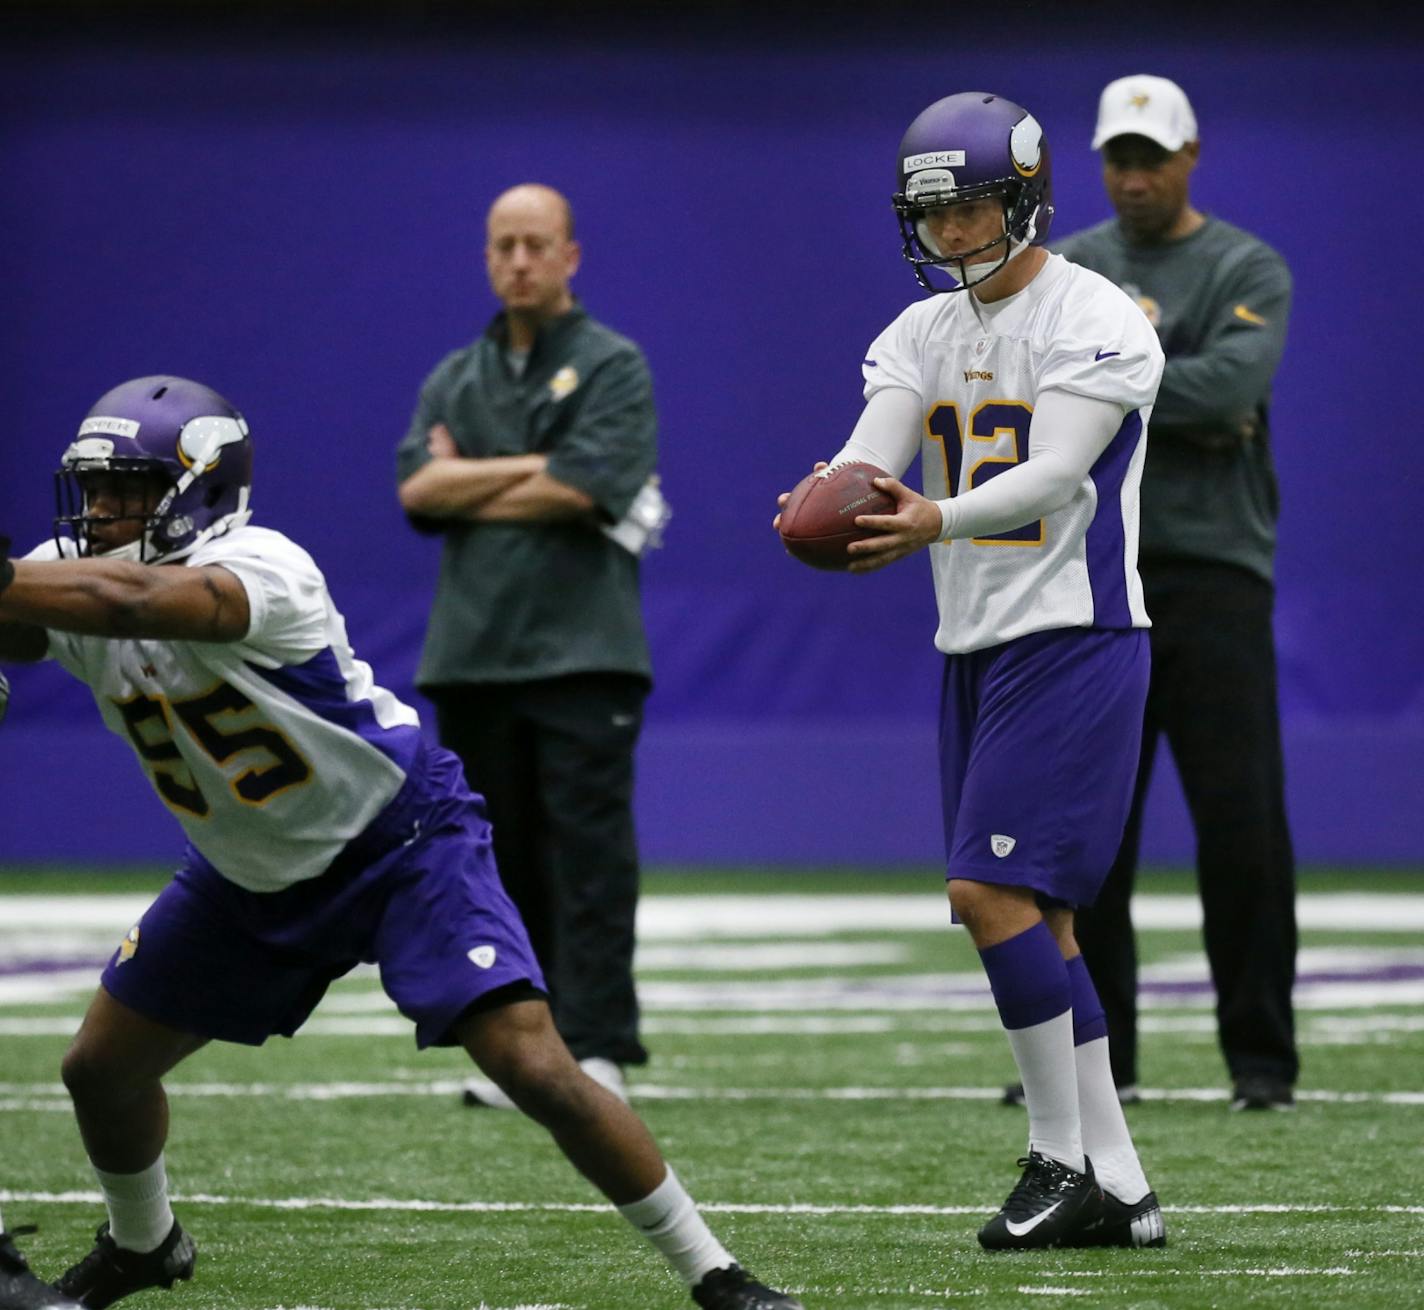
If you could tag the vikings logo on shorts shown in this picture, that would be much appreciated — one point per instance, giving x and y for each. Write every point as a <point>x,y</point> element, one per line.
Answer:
<point>128,946</point>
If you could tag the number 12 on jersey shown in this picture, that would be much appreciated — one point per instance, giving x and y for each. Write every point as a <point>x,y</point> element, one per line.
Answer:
<point>989,424</point>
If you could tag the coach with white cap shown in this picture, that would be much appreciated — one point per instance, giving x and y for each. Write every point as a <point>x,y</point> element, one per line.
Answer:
<point>1219,299</point>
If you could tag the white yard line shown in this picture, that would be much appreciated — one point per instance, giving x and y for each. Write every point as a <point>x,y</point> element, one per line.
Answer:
<point>1322,1029</point>
<point>15,1095</point>
<point>690,918</point>
<point>408,1205</point>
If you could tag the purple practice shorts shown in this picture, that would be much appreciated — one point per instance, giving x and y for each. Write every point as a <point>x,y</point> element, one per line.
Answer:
<point>417,893</point>
<point>1038,746</point>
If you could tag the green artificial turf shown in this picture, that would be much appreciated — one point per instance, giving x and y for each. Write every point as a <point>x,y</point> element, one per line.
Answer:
<point>846,1152</point>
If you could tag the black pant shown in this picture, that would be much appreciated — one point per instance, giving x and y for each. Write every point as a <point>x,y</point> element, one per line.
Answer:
<point>1213,693</point>
<point>554,761</point>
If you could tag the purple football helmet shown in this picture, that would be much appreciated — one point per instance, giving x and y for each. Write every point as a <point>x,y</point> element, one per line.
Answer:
<point>968,147</point>
<point>178,433</point>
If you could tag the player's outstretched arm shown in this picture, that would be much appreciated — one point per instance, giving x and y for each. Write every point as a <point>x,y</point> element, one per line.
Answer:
<point>116,598</point>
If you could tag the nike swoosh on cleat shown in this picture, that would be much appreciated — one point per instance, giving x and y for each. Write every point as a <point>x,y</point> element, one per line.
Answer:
<point>1105,354</point>
<point>1018,1230</point>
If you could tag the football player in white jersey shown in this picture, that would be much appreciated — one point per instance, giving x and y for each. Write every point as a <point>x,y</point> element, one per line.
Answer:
<point>1025,388</point>
<point>322,831</point>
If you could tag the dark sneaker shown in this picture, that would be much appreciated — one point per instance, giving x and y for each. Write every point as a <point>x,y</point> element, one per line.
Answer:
<point>1121,1224</point>
<point>733,1288</point>
<point>1050,1202</point>
<point>1262,1092</point>
<point>1127,1095</point>
<point>19,1288</point>
<point>109,1272</point>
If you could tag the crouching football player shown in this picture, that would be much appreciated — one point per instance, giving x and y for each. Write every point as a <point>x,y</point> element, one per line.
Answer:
<point>322,832</point>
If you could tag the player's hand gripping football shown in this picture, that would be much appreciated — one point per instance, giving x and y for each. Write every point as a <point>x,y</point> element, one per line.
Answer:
<point>786,495</point>
<point>916,523</point>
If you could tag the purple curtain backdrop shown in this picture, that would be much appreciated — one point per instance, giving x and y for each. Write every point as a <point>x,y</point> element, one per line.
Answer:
<point>296,219</point>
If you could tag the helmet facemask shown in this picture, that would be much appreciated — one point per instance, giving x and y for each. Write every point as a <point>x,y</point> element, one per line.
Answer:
<point>95,492</point>
<point>921,252</point>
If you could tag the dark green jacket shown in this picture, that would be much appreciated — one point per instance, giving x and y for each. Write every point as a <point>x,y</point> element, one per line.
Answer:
<point>1219,300</point>
<point>520,601</point>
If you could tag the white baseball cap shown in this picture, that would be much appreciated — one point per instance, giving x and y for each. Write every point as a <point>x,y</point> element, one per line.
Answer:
<point>1142,105</point>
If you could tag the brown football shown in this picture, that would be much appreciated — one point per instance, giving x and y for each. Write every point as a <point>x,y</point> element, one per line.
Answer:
<point>818,522</point>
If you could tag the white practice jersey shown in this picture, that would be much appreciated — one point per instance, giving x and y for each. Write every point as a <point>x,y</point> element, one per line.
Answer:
<point>273,752</point>
<point>978,371</point>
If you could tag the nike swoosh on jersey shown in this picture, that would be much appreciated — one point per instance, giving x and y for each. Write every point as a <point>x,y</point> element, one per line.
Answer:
<point>1018,1230</point>
<point>1247,316</point>
<point>1105,354</point>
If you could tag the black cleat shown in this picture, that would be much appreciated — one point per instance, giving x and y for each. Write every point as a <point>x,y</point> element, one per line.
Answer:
<point>1121,1224</point>
<point>733,1288</point>
<point>19,1288</point>
<point>1262,1092</point>
<point>1050,1203</point>
<point>109,1272</point>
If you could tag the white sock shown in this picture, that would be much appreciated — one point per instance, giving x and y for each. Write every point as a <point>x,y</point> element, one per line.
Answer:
<point>139,1214</point>
<point>670,1221</point>
<point>1044,1055</point>
<point>1105,1135</point>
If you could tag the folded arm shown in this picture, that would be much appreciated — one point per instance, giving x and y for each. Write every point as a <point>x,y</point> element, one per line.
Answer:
<point>500,488</point>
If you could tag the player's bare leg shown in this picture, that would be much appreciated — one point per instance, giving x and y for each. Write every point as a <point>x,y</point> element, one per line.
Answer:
<point>113,1070</point>
<point>518,1047</point>
<point>1130,1214</point>
<point>1030,982</point>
